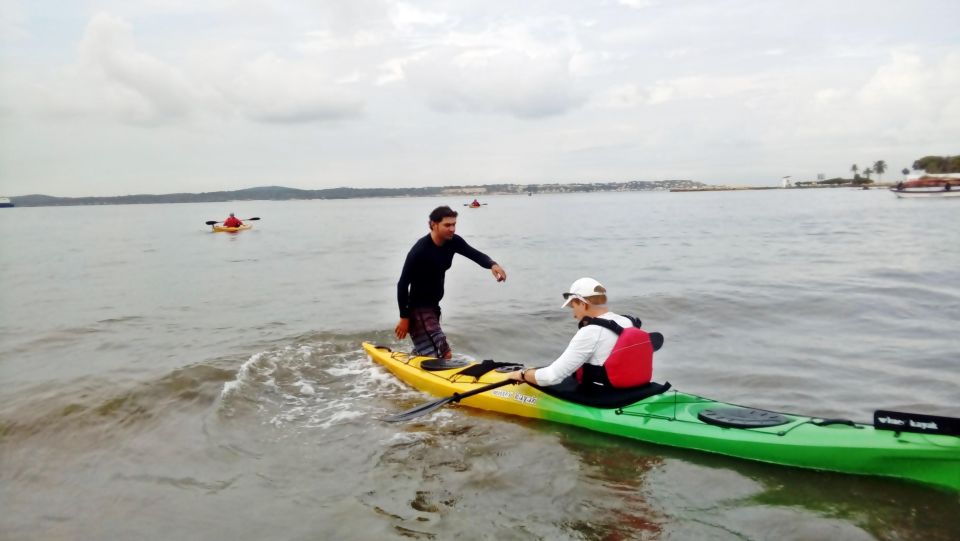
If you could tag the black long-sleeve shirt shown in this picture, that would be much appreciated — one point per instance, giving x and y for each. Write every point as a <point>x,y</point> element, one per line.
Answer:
<point>421,281</point>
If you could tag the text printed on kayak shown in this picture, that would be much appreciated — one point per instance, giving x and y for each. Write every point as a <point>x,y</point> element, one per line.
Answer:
<point>519,397</point>
<point>915,424</point>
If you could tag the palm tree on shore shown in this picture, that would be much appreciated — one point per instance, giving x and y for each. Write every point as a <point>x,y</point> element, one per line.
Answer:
<point>867,172</point>
<point>879,167</point>
<point>905,173</point>
<point>854,168</point>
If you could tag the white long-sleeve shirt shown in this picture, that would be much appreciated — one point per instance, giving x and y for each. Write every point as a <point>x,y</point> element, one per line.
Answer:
<point>592,344</point>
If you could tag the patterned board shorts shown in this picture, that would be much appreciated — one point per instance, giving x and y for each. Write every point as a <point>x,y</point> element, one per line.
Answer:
<point>428,338</point>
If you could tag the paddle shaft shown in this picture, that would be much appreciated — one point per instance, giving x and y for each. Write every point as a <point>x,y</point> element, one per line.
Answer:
<point>460,396</point>
<point>212,222</point>
<point>424,409</point>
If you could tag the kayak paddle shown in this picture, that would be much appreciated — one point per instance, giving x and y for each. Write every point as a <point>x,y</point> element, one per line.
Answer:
<point>424,409</point>
<point>211,222</point>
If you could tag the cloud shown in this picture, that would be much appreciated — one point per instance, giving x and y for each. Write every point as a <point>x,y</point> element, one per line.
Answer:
<point>622,96</point>
<point>323,41</point>
<point>906,92</point>
<point>114,78</point>
<point>276,90</point>
<point>323,74</point>
<point>700,87</point>
<point>12,22</point>
<point>144,85</point>
<point>406,16</point>
<point>637,4</point>
<point>633,95</point>
<point>394,70</point>
<point>908,80</point>
<point>908,100</point>
<point>495,81</point>
<point>504,71</point>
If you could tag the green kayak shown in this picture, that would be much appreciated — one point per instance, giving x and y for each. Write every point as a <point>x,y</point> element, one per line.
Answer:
<point>920,448</point>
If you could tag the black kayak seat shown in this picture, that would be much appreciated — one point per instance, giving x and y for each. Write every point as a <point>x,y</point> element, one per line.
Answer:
<point>489,365</point>
<point>432,365</point>
<point>608,398</point>
<point>736,417</point>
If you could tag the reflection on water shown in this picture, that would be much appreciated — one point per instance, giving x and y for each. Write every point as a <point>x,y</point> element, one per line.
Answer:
<point>669,491</point>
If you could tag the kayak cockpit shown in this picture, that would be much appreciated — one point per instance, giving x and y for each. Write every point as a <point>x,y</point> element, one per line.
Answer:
<point>609,398</point>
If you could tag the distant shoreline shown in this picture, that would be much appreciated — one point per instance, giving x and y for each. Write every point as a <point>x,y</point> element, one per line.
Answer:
<point>281,193</point>
<point>872,186</point>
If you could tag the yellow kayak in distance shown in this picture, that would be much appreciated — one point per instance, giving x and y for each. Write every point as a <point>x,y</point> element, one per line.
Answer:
<point>223,229</point>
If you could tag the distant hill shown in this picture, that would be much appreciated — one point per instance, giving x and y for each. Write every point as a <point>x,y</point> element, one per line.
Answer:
<point>280,193</point>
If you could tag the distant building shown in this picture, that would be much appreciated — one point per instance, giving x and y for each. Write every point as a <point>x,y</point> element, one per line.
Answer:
<point>787,183</point>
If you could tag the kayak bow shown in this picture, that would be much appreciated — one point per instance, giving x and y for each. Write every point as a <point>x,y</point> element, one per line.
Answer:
<point>669,417</point>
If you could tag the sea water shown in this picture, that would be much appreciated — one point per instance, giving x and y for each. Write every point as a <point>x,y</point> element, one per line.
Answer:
<point>160,381</point>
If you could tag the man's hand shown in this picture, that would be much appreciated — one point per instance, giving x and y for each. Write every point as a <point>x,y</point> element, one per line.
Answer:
<point>402,328</point>
<point>498,273</point>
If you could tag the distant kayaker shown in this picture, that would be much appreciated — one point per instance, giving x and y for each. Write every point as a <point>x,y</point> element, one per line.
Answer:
<point>590,363</point>
<point>232,221</point>
<point>420,287</point>
<point>475,203</point>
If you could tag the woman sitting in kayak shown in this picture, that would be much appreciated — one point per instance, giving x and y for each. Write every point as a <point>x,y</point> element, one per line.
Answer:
<point>608,352</point>
<point>232,221</point>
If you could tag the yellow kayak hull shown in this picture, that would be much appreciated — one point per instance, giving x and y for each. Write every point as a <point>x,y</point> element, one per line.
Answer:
<point>222,229</point>
<point>521,400</point>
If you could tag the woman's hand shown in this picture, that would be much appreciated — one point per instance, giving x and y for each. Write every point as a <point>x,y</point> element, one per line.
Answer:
<point>527,375</point>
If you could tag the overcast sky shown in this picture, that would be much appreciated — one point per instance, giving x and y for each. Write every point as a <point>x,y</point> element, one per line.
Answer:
<point>114,97</point>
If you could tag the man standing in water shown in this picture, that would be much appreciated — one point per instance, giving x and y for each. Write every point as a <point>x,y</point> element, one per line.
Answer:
<point>420,287</point>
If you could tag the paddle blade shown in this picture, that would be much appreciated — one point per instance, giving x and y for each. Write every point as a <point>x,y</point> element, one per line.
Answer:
<point>418,411</point>
<point>211,222</point>
<point>254,218</point>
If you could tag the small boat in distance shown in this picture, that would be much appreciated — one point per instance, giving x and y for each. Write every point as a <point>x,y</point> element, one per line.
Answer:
<point>927,187</point>
<point>219,227</point>
<point>6,203</point>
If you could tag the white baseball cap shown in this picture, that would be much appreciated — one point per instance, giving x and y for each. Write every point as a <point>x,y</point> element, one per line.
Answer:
<point>582,288</point>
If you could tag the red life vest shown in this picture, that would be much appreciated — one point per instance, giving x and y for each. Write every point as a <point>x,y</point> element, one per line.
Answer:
<point>232,221</point>
<point>630,363</point>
